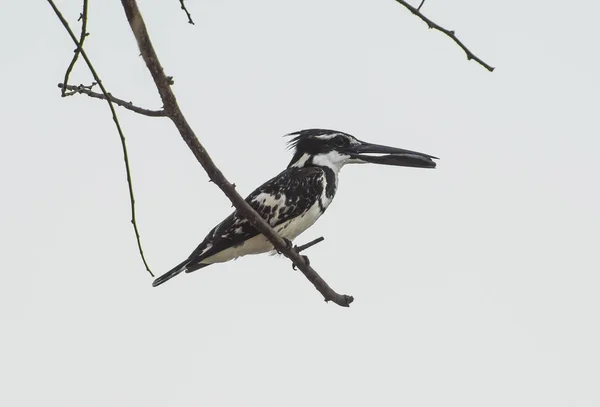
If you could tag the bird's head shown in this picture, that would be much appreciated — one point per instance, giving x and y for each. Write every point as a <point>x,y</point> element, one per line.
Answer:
<point>334,149</point>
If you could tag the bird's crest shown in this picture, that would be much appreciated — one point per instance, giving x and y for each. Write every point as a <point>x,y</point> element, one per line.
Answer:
<point>300,136</point>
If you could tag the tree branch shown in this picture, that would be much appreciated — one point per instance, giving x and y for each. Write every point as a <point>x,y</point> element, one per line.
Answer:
<point>83,18</point>
<point>172,110</point>
<point>117,124</point>
<point>87,90</point>
<point>450,33</point>
<point>187,13</point>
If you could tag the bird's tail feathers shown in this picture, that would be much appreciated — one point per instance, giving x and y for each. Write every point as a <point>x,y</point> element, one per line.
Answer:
<point>189,268</point>
<point>181,267</point>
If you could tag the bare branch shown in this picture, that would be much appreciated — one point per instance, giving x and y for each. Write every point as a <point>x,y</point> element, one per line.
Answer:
<point>421,5</point>
<point>187,13</point>
<point>83,18</point>
<point>117,124</point>
<point>172,110</point>
<point>87,90</point>
<point>450,33</point>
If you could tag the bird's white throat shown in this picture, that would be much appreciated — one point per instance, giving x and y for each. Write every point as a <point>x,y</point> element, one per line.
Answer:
<point>332,159</point>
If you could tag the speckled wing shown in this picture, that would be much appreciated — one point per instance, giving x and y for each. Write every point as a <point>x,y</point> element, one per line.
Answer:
<point>282,198</point>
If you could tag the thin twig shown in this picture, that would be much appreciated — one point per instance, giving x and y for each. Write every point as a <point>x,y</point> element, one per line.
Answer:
<point>187,13</point>
<point>450,33</point>
<point>116,120</point>
<point>421,5</point>
<point>87,90</point>
<point>83,18</point>
<point>309,244</point>
<point>173,111</point>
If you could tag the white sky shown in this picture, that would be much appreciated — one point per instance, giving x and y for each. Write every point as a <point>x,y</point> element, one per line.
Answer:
<point>476,284</point>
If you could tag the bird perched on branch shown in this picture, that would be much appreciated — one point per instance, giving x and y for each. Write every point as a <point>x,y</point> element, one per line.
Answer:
<point>293,200</point>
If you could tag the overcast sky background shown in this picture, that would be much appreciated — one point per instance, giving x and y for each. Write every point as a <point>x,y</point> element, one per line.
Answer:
<point>475,284</point>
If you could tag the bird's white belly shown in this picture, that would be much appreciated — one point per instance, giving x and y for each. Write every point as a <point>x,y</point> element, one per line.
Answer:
<point>260,244</point>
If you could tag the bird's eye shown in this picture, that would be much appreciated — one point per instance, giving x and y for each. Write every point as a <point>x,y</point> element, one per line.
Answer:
<point>340,141</point>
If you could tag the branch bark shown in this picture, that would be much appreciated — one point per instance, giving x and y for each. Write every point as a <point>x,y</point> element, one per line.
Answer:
<point>450,33</point>
<point>163,84</point>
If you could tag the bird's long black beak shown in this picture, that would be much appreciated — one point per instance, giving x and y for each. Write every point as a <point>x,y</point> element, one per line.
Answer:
<point>378,154</point>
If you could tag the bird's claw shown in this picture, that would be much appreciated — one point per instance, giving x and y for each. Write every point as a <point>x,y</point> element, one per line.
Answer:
<point>288,244</point>
<point>306,260</point>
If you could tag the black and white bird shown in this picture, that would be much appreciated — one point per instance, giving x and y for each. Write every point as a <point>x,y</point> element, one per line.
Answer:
<point>292,201</point>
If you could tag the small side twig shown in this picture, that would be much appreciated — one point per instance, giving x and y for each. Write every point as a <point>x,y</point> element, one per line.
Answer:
<point>309,244</point>
<point>117,124</point>
<point>87,90</point>
<point>187,13</point>
<point>450,33</point>
<point>83,18</point>
<point>421,5</point>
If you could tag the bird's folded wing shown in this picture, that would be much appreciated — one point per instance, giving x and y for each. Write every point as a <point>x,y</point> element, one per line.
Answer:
<point>282,198</point>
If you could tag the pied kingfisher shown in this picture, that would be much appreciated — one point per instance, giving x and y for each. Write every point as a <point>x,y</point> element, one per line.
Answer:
<point>293,200</point>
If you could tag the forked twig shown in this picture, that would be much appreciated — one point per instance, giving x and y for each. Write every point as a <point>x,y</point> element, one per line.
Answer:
<point>87,90</point>
<point>83,18</point>
<point>117,124</point>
